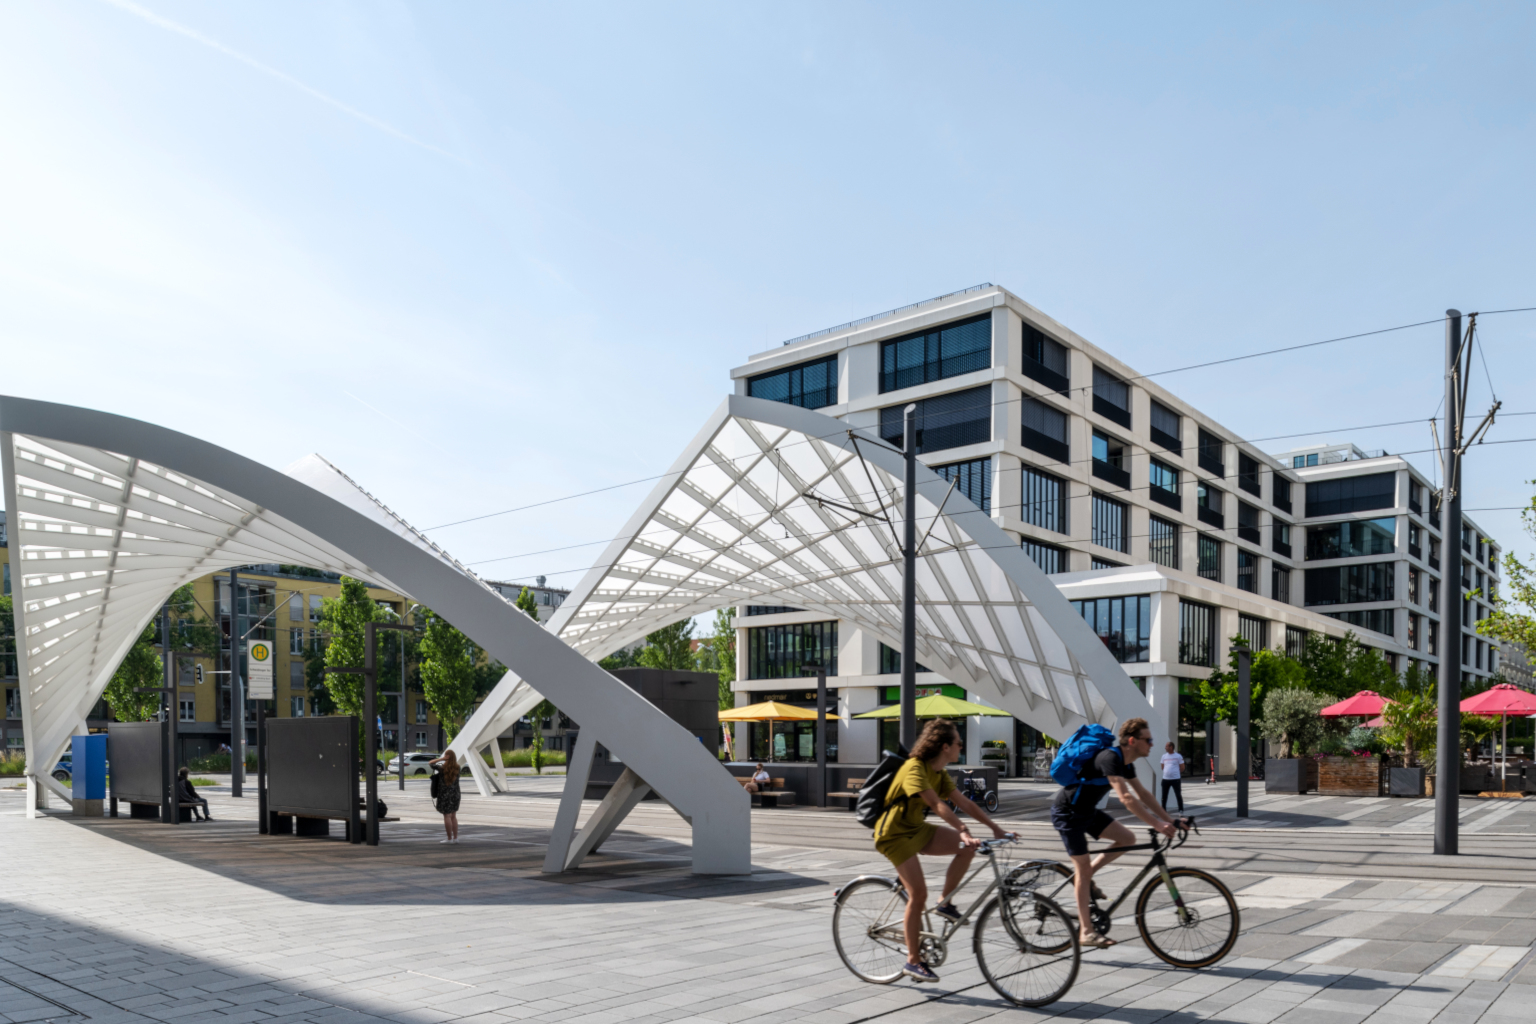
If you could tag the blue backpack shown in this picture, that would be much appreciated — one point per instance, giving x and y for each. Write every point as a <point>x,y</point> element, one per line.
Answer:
<point>1078,752</point>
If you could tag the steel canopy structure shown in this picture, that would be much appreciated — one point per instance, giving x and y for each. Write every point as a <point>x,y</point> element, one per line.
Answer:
<point>109,515</point>
<point>774,504</point>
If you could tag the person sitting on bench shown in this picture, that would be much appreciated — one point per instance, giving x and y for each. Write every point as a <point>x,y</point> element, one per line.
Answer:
<point>186,793</point>
<point>760,780</point>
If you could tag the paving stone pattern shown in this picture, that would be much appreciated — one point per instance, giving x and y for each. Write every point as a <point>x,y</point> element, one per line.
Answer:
<point>121,920</point>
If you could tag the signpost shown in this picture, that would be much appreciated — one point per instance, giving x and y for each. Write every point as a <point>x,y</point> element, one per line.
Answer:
<point>259,665</point>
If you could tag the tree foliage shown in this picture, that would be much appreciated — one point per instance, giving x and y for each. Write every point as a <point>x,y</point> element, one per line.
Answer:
<point>1341,668</point>
<point>669,647</point>
<point>1412,722</point>
<point>1291,719</point>
<point>1514,613</point>
<point>1269,671</point>
<point>447,673</point>
<point>723,648</point>
<point>528,604</point>
<point>345,619</point>
<point>140,669</point>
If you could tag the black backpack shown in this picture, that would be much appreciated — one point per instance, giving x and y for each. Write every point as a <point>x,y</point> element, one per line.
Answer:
<point>870,806</point>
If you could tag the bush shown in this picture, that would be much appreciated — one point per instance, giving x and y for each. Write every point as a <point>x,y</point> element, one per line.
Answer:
<point>13,764</point>
<point>220,763</point>
<point>1363,740</point>
<point>524,758</point>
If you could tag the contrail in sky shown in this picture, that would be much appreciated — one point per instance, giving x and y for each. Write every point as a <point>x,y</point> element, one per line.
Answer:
<point>171,26</point>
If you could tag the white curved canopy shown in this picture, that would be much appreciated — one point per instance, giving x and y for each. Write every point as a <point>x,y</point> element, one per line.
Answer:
<point>110,515</point>
<point>749,515</point>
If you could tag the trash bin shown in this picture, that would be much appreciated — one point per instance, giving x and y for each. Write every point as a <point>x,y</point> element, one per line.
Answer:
<point>88,774</point>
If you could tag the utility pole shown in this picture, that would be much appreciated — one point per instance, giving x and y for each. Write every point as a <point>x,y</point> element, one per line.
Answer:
<point>236,692</point>
<point>1244,747</point>
<point>821,730</point>
<point>1448,734</point>
<point>909,579</point>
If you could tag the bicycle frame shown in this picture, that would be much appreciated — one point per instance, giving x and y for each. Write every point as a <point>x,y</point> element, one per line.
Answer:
<point>1158,862</point>
<point>897,929</point>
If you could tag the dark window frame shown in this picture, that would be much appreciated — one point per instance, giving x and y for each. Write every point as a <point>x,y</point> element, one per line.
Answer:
<point>1111,396</point>
<point>1040,351</point>
<point>1162,418</point>
<point>1038,506</point>
<point>1111,524</point>
<point>975,480</point>
<point>1041,440</point>
<point>795,391</point>
<point>934,343</point>
<point>977,429</point>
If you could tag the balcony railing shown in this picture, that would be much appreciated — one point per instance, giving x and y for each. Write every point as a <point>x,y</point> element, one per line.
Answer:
<point>1250,483</point>
<point>1211,464</point>
<point>1282,503</point>
<point>1113,474</point>
<point>1167,440</point>
<point>1211,517</point>
<point>1046,445</point>
<point>1250,534</point>
<point>1282,548</point>
<point>1415,551</point>
<point>1036,370</point>
<point>1111,411</point>
<point>1166,498</point>
<point>1434,562</point>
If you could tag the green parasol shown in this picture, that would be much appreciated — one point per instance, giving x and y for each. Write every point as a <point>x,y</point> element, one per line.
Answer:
<point>937,706</point>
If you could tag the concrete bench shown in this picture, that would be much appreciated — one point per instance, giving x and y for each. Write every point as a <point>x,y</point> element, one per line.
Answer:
<point>779,798</point>
<point>145,811</point>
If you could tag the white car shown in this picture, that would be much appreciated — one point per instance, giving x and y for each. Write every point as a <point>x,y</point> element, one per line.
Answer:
<point>415,764</point>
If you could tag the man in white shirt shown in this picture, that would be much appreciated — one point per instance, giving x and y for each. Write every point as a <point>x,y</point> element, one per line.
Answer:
<point>1173,776</point>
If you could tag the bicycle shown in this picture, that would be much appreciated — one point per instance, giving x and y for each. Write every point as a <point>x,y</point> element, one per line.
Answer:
<point>1025,943</point>
<point>975,789</point>
<point>1197,914</point>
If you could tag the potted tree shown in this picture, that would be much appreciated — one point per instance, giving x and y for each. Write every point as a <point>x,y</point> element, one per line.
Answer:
<point>1291,721</point>
<point>1411,723</point>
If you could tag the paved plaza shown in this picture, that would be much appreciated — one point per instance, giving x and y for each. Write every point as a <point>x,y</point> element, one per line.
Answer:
<point>1345,918</point>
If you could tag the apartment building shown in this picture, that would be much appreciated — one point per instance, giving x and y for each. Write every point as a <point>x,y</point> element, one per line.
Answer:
<point>1168,530</point>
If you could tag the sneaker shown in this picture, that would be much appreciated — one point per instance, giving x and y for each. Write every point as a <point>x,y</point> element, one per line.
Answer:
<point>444,842</point>
<point>919,972</point>
<point>948,911</point>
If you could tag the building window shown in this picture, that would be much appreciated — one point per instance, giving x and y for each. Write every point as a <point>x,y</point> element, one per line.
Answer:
<point>1111,397</point>
<point>1415,497</point>
<point>1413,632</point>
<point>1434,553</point>
<point>1377,620</point>
<point>1433,638</point>
<point>1352,539</point>
<point>1097,563</point>
<point>1255,631</point>
<point>780,652</point>
<point>1350,584</point>
<point>1304,460</point>
<point>296,607</point>
<point>296,641</point>
<point>1248,474</point>
<point>1163,542</point>
<point>1434,596</point>
<point>944,421</point>
<point>187,709</point>
<point>810,385</point>
<point>1123,623</point>
<point>1210,558</point>
<point>296,707</point>
<point>421,712</point>
<point>1163,484</point>
<point>1197,634</point>
<point>421,741</point>
<point>1280,583</point>
<point>1045,430</point>
<point>936,354</point>
<point>1282,489</point>
<point>1045,501</point>
<point>1050,559</point>
<point>1045,360</point>
<point>1210,453</point>
<point>1415,579</point>
<point>1295,641</point>
<point>1248,524</point>
<point>1352,494</point>
<point>1281,533</point>
<point>1110,460</point>
<point>1166,427</point>
<point>771,609</point>
<point>1415,540</point>
<point>972,479</point>
<point>1109,524</point>
<point>890,662</point>
<point>1208,505</point>
<point>1247,571</point>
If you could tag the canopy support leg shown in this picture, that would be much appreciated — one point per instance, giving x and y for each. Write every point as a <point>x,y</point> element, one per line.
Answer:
<point>578,769</point>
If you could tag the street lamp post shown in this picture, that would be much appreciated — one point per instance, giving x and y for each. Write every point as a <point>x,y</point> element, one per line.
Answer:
<point>821,730</point>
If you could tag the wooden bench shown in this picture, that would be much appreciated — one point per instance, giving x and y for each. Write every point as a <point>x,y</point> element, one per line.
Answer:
<point>778,798</point>
<point>151,812</point>
<point>848,799</point>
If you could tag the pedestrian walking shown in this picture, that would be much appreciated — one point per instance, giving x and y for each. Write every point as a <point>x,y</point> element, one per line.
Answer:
<point>445,794</point>
<point>1173,776</point>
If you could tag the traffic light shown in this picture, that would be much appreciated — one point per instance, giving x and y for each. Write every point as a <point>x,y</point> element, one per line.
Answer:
<point>198,674</point>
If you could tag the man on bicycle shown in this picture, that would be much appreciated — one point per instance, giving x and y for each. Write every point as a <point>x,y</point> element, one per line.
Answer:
<point>1076,815</point>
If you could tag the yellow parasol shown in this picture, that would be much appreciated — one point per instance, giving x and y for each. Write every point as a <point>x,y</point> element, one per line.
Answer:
<point>768,711</point>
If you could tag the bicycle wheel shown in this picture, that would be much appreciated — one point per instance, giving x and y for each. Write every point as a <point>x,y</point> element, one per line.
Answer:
<point>1204,933</point>
<point>990,800</point>
<point>867,929</point>
<point>1027,949</point>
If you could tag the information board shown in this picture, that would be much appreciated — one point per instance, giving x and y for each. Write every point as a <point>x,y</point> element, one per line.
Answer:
<point>259,658</point>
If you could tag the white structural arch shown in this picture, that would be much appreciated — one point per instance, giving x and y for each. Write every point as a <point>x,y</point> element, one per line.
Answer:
<point>737,520</point>
<point>109,515</point>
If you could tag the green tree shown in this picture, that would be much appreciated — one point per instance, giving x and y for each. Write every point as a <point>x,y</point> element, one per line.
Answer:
<point>526,602</point>
<point>7,636</point>
<point>345,619</point>
<point>1343,667</point>
<point>536,718</point>
<point>1291,719</point>
<point>140,668</point>
<point>723,646</point>
<point>669,647</point>
<point>626,658</point>
<point>1514,615</point>
<point>447,673</point>
<point>1412,722</point>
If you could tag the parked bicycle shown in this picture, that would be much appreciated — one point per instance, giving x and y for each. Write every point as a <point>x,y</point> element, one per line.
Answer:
<point>1025,943</point>
<point>974,788</point>
<point>1187,917</point>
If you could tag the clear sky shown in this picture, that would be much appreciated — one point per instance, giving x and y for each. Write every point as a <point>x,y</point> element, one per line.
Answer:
<point>484,255</point>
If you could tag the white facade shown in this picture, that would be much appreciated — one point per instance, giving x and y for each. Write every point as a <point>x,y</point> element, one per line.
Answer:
<point>1243,554</point>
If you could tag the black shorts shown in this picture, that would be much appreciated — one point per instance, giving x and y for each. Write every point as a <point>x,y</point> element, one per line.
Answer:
<point>1073,824</point>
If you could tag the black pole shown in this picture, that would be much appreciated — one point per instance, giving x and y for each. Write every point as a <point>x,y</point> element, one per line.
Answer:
<point>171,800</point>
<point>261,767</point>
<point>236,693</point>
<point>371,732</point>
<point>1244,749</point>
<point>909,579</point>
<point>1448,734</point>
<point>400,713</point>
<point>821,733</point>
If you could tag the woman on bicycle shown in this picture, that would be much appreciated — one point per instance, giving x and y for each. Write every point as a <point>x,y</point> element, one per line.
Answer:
<point>901,834</point>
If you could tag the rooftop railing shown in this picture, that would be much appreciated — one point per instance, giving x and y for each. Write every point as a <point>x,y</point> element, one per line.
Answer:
<point>890,312</point>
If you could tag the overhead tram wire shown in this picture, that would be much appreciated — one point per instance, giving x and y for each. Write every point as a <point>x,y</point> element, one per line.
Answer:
<point>1087,387</point>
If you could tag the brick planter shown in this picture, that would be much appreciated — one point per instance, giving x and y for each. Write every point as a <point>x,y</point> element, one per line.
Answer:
<point>1349,776</point>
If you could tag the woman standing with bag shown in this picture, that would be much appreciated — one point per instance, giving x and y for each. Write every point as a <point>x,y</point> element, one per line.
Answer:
<point>445,794</point>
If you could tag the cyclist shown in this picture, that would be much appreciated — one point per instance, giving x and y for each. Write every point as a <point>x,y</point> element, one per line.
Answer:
<point>901,834</point>
<point>1076,815</point>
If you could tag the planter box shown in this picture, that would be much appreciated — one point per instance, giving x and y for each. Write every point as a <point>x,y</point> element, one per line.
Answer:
<point>1475,780</point>
<point>1285,775</point>
<point>1406,782</point>
<point>1349,776</point>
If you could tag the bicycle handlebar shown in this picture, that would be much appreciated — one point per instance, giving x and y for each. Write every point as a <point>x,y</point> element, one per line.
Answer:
<point>1180,837</point>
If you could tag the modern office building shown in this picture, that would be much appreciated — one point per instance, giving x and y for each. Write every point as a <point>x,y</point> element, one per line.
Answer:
<point>1170,532</point>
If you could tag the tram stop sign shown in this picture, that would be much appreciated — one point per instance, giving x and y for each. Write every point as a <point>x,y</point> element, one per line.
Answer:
<point>258,683</point>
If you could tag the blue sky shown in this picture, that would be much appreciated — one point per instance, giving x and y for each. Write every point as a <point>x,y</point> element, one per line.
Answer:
<point>484,255</point>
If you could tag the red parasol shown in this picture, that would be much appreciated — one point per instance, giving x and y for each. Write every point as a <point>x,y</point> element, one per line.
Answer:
<point>1365,704</point>
<point>1502,699</point>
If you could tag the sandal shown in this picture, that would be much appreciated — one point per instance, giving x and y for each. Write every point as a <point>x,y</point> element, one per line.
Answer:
<point>1097,941</point>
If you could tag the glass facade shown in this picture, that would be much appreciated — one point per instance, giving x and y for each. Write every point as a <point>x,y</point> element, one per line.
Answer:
<point>890,661</point>
<point>1209,455</point>
<point>1044,429</point>
<point>1123,623</point>
<point>1197,634</point>
<point>1044,501</point>
<point>781,652</point>
<point>810,385</point>
<point>1166,427</point>
<point>1210,558</point>
<point>1111,397</point>
<point>1162,476</point>
<point>1280,583</point>
<point>943,421</point>
<point>1295,641</point>
<point>1352,539</point>
<point>1163,542</point>
<point>1045,360</point>
<point>771,609</point>
<point>1050,559</point>
<point>1110,524</point>
<point>1350,584</point>
<point>972,479</point>
<point>1255,631</point>
<point>1377,620</point>
<point>936,354</point>
<point>1247,571</point>
<point>1248,474</point>
<point>1352,494</point>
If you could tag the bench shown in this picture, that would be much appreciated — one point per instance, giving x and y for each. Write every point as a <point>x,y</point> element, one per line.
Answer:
<point>849,799</point>
<point>145,811</point>
<point>780,798</point>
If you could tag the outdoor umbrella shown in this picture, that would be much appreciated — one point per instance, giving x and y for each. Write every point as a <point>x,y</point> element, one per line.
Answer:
<point>1502,700</point>
<point>768,711</point>
<point>936,706</point>
<point>1365,704</point>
